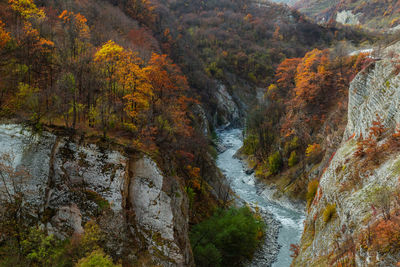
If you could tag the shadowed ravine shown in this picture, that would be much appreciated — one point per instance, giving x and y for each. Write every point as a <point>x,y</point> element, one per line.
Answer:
<point>245,187</point>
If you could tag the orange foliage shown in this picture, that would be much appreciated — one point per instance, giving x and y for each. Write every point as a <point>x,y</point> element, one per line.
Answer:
<point>286,73</point>
<point>383,236</point>
<point>313,78</point>
<point>169,89</point>
<point>4,35</point>
<point>369,146</point>
<point>76,23</point>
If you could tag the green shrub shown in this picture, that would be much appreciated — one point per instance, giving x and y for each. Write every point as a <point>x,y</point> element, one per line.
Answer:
<point>275,163</point>
<point>96,259</point>
<point>293,159</point>
<point>312,189</point>
<point>291,145</point>
<point>191,195</point>
<point>42,249</point>
<point>226,238</point>
<point>329,212</point>
<point>101,202</point>
<point>250,144</point>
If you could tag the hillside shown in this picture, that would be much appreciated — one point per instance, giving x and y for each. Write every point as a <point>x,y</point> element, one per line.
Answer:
<point>198,133</point>
<point>373,14</point>
<point>237,46</point>
<point>353,219</point>
<point>98,125</point>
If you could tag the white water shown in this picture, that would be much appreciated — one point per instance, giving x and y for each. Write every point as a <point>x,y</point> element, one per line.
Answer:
<point>245,187</point>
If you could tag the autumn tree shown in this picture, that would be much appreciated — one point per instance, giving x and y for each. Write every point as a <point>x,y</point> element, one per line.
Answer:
<point>75,56</point>
<point>108,57</point>
<point>286,73</point>
<point>136,88</point>
<point>27,9</point>
<point>77,33</point>
<point>170,102</point>
<point>313,79</point>
<point>141,10</point>
<point>5,38</point>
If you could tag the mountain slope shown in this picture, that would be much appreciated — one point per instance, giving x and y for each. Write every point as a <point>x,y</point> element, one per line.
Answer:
<point>354,216</point>
<point>236,45</point>
<point>374,14</point>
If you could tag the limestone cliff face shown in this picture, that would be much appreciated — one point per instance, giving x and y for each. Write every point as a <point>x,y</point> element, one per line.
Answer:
<point>375,91</point>
<point>357,190</point>
<point>161,213</point>
<point>135,205</point>
<point>227,109</point>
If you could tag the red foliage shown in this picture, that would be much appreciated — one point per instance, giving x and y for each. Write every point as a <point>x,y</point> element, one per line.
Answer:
<point>295,249</point>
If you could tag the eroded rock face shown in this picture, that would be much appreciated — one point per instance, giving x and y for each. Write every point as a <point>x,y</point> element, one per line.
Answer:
<point>347,17</point>
<point>67,218</point>
<point>100,175</point>
<point>353,189</point>
<point>160,213</point>
<point>374,91</point>
<point>228,110</point>
<point>70,184</point>
<point>23,151</point>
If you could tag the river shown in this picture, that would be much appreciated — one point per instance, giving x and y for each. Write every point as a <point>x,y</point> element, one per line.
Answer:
<point>246,188</point>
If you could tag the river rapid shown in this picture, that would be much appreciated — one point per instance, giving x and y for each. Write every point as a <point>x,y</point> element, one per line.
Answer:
<point>284,225</point>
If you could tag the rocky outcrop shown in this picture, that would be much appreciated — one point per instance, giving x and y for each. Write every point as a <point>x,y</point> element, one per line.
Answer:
<point>355,187</point>
<point>161,213</point>
<point>136,206</point>
<point>374,92</point>
<point>228,111</point>
<point>347,17</point>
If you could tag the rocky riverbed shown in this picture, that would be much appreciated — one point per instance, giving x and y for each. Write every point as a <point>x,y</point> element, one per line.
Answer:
<point>284,222</point>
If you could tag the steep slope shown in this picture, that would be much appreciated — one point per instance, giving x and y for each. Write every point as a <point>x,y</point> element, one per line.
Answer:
<point>354,217</point>
<point>374,14</point>
<point>92,72</point>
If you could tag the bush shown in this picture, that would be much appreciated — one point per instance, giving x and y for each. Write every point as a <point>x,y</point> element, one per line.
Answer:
<point>329,212</point>
<point>275,163</point>
<point>314,152</point>
<point>227,238</point>
<point>95,259</point>
<point>250,144</point>
<point>293,159</point>
<point>291,145</point>
<point>312,189</point>
<point>41,249</point>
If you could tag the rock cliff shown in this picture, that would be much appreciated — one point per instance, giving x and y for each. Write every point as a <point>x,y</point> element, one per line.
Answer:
<point>357,194</point>
<point>136,206</point>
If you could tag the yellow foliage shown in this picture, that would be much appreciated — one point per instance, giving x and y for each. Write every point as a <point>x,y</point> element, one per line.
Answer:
<point>27,9</point>
<point>272,88</point>
<point>109,53</point>
<point>313,149</point>
<point>248,17</point>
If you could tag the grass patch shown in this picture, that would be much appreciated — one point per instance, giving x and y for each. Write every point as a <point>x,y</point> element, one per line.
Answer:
<point>329,213</point>
<point>312,189</point>
<point>98,199</point>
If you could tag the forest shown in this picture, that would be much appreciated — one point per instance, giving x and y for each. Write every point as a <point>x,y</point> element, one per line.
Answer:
<point>143,77</point>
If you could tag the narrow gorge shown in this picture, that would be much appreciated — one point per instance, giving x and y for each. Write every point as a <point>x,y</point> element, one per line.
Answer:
<point>182,133</point>
<point>284,224</point>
